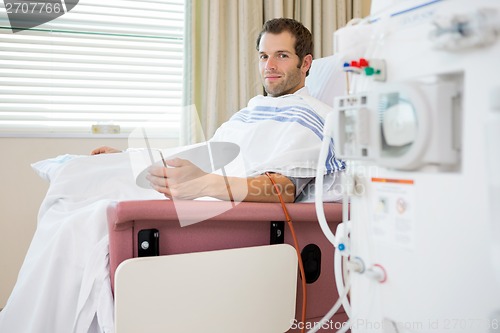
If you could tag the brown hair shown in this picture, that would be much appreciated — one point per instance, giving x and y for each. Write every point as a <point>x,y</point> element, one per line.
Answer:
<point>303,37</point>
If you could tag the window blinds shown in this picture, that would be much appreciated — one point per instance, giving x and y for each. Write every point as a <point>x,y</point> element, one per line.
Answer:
<point>105,63</point>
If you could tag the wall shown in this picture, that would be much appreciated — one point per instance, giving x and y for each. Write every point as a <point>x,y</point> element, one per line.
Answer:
<point>22,192</point>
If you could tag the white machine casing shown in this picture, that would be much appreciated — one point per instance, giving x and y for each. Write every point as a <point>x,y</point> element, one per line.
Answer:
<point>362,119</point>
<point>428,169</point>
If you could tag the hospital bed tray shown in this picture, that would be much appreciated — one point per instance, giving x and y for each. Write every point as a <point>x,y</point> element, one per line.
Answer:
<point>246,224</point>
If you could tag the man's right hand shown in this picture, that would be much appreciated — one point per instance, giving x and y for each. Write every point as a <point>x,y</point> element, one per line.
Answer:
<point>104,150</point>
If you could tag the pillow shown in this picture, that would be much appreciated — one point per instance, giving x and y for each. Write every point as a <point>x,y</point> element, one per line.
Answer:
<point>48,168</point>
<point>326,79</point>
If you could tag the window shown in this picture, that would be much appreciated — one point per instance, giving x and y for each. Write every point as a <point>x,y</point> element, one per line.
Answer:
<point>106,63</point>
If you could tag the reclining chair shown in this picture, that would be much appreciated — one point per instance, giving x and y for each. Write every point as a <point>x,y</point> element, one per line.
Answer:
<point>147,294</point>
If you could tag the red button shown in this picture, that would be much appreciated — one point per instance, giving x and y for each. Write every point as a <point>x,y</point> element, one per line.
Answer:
<point>363,62</point>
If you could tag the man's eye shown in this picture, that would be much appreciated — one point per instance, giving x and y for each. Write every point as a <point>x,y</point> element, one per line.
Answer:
<point>283,55</point>
<point>263,57</point>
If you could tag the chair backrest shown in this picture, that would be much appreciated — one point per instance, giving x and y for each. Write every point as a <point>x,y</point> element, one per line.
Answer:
<point>238,290</point>
<point>326,79</point>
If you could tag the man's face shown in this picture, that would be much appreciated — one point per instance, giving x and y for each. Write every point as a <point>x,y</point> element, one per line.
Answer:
<point>279,66</point>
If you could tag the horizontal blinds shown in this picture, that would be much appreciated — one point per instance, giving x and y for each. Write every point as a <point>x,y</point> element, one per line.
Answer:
<point>113,62</point>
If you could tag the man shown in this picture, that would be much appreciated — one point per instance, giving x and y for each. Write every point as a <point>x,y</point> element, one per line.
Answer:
<point>285,55</point>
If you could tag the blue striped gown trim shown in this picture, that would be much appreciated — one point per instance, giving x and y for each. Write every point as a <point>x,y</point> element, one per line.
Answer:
<point>301,115</point>
<point>305,112</point>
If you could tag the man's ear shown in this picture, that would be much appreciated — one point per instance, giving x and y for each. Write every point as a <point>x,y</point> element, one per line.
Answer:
<point>306,63</point>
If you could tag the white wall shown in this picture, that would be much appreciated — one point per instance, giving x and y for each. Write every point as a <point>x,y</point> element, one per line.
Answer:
<point>22,191</point>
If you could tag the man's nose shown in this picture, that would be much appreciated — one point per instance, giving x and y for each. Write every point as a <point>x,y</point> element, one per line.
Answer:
<point>271,63</point>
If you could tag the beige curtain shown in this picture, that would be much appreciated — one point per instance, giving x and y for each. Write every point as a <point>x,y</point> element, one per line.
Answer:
<point>221,68</point>
<point>321,17</point>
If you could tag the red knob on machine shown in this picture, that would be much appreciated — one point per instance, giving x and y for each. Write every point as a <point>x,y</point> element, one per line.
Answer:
<point>363,62</point>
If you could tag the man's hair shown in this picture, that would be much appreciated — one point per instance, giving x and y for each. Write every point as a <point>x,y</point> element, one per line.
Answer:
<point>303,37</point>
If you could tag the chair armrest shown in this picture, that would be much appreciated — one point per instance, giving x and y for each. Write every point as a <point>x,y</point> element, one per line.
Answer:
<point>122,214</point>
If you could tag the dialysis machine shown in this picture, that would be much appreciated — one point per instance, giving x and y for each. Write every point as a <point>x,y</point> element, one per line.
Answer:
<point>420,128</point>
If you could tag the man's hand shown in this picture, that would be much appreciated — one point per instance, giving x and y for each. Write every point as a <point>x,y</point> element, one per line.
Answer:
<point>104,150</point>
<point>184,180</point>
<point>180,180</point>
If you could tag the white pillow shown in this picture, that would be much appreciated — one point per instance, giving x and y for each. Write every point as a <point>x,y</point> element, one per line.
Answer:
<point>48,168</point>
<point>326,79</point>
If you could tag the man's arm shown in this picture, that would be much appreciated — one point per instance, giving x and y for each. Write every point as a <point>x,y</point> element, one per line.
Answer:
<point>184,180</point>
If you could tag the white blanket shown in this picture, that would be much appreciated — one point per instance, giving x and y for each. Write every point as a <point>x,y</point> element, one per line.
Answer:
<point>63,285</point>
